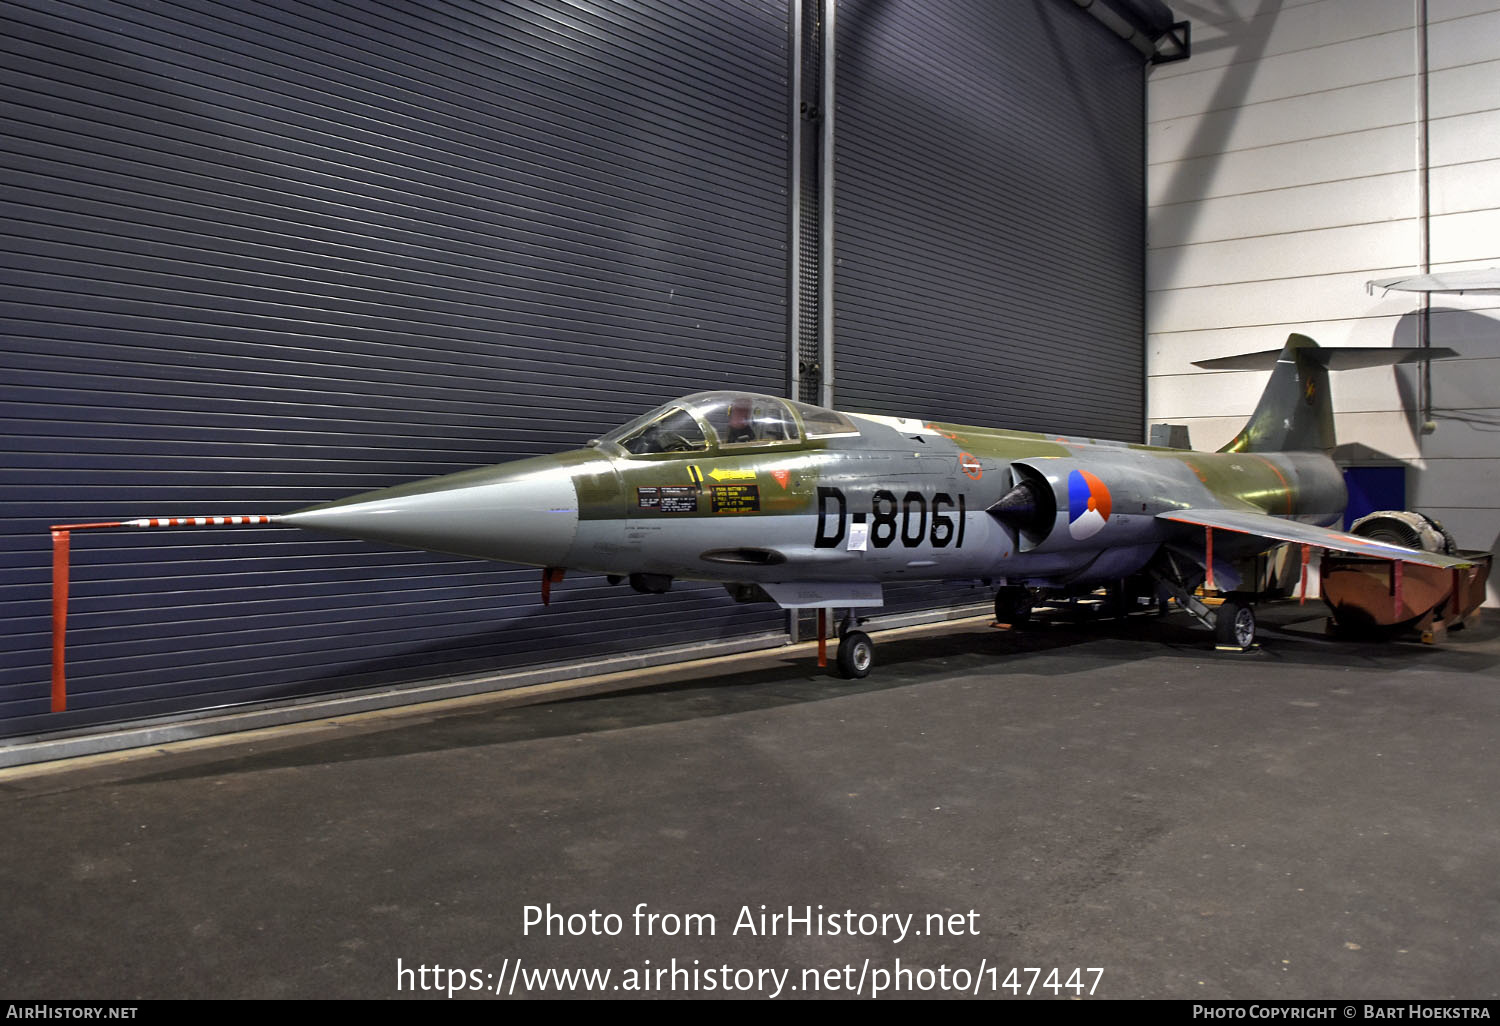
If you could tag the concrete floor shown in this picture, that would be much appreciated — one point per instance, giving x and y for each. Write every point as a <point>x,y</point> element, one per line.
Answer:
<point>1318,819</point>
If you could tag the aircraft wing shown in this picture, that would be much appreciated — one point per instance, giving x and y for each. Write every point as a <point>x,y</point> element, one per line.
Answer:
<point>1263,525</point>
<point>1486,281</point>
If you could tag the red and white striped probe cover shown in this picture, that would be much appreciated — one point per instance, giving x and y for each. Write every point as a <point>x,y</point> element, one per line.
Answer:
<point>170,522</point>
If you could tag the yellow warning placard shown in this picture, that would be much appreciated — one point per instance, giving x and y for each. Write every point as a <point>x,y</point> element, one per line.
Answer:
<point>735,498</point>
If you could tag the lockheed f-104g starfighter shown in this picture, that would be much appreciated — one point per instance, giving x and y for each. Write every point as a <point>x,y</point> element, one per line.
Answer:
<point>813,508</point>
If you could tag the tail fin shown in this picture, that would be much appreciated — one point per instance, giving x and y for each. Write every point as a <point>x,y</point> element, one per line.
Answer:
<point>1294,412</point>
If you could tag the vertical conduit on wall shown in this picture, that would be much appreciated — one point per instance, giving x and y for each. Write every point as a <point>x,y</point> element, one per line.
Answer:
<point>826,208</point>
<point>794,201</point>
<point>1424,215</point>
<point>806,352</point>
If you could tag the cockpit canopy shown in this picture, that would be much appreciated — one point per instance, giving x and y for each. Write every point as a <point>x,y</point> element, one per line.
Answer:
<point>728,422</point>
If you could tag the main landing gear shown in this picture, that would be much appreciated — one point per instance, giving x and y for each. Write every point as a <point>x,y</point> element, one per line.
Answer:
<point>1233,622</point>
<point>1013,605</point>
<point>1234,625</point>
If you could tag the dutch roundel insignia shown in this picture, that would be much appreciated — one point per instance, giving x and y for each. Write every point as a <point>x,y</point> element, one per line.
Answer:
<point>1088,504</point>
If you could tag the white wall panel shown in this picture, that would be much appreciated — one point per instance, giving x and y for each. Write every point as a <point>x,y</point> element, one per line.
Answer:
<point>1447,10</point>
<point>1465,138</point>
<point>1462,187</point>
<point>1336,111</point>
<point>1376,438</point>
<point>1324,297</point>
<point>1462,40</point>
<point>1289,255</point>
<point>1203,396</point>
<point>1469,324</point>
<point>1470,386</point>
<point>1462,455</point>
<point>1276,211</point>
<point>1466,90</point>
<point>1227,32</point>
<point>1305,162</point>
<point>1202,89</point>
<point>1470,236</point>
<point>1457,484</point>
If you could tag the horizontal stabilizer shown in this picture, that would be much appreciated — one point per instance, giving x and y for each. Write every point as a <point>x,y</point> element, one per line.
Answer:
<point>1346,358</point>
<point>1263,525</point>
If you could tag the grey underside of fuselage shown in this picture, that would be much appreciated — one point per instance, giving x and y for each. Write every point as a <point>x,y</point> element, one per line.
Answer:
<point>675,548</point>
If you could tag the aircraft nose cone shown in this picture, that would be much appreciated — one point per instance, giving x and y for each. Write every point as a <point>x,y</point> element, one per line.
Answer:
<point>522,512</point>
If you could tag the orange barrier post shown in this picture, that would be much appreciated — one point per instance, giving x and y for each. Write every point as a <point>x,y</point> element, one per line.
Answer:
<point>1302,598</point>
<point>59,619</point>
<point>550,576</point>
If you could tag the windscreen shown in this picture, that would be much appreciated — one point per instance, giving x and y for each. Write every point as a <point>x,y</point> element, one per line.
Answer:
<point>665,429</point>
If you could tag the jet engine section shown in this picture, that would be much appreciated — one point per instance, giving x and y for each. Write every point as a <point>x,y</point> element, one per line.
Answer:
<point>1064,505</point>
<point>1029,508</point>
<point>1411,530</point>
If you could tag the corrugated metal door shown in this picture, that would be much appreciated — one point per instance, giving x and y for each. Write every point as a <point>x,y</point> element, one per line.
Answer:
<point>258,255</point>
<point>989,216</point>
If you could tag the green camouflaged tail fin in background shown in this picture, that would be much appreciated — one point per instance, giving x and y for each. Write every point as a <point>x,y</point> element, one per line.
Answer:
<point>1294,412</point>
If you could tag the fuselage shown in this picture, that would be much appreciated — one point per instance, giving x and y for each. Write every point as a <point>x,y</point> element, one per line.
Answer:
<point>805,494</point>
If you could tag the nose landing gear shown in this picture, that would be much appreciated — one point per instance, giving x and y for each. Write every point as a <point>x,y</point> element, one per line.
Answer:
<point>856,652</point>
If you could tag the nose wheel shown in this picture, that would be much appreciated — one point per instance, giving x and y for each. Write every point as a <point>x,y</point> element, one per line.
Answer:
<point>856,654</point>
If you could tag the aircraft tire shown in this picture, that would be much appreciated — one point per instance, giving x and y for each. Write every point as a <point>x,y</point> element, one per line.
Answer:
<point>1234,625</point>
<point>856,655</point>
<point>1013,605</point>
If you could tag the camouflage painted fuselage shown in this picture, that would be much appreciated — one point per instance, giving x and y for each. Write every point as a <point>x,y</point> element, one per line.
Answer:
<point>898,500</point>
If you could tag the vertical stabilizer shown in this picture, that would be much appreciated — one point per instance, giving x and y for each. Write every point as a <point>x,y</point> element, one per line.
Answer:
<point>1294,412</point>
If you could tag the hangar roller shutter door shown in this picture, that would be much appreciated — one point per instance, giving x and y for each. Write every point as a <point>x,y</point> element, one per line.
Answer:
<point>989,216</point>
<point>259,255</point>
<point>989,219</point>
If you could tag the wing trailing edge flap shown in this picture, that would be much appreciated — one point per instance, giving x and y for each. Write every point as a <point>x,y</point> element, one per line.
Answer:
<point>1263,525</point>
